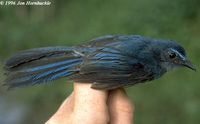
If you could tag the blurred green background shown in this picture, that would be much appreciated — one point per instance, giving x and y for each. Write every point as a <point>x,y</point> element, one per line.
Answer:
<point>173,99</point>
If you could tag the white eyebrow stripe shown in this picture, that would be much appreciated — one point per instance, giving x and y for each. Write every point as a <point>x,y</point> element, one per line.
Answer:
<point>183,58</point>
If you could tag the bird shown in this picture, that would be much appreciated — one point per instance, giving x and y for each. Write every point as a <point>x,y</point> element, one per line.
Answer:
<point>107,62</point>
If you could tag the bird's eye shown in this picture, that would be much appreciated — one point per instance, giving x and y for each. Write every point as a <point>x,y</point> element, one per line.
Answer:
<point>172,55</point>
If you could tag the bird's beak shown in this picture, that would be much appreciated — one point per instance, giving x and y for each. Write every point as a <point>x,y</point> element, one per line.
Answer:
<point>188,64</point>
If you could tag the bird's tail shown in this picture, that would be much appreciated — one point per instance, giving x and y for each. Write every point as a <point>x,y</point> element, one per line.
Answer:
<point>41,65</point>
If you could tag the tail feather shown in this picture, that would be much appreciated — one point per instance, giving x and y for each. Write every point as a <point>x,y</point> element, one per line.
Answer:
<point>35,54</point>
<point>42,65</point>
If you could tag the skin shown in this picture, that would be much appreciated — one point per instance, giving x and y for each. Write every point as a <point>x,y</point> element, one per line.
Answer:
<point>89,106</point>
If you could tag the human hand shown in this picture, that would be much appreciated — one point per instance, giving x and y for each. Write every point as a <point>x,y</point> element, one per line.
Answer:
<point>89,106</point>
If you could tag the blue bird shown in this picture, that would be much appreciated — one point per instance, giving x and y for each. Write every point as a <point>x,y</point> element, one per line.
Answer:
<point>106,62</point>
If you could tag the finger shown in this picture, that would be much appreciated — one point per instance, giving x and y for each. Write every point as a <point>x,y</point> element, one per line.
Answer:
<point>66,106</point>
<point>90,104</point>
<point>64,111</point>
<point>120,107</point>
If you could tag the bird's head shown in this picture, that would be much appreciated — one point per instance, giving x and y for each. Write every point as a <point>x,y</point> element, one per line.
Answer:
<point>173,55</point>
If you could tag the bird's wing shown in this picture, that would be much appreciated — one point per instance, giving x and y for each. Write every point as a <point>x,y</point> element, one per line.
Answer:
<point>131,45</point>
<point>102,41</point>
<point>109,68</point>
<point>109,39</point>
